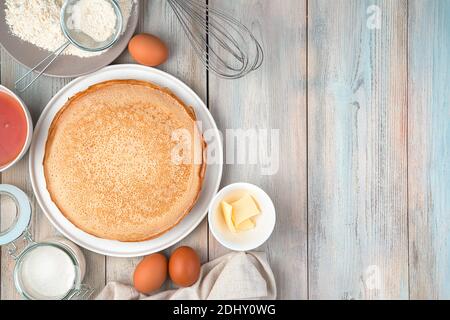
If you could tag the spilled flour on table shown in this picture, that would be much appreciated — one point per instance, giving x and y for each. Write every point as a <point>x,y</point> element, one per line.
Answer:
<point>37,22</point>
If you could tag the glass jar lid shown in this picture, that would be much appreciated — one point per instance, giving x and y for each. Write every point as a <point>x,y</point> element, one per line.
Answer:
<point>23,213</point>
<point>44,270</point>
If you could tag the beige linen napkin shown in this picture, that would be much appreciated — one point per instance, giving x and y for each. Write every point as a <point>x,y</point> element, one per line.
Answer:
<point>237,275</point>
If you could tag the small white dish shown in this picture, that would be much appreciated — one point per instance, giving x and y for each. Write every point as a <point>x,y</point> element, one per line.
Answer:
<point>244,240</point>
<point>29,129</point>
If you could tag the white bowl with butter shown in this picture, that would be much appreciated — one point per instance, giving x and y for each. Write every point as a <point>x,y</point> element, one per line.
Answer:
<point>252,217</point>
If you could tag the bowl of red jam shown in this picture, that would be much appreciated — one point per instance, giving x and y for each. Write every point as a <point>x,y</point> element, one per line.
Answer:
<point>16,128</point>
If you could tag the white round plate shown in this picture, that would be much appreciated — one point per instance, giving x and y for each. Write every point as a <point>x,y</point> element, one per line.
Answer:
<point>111,247</point>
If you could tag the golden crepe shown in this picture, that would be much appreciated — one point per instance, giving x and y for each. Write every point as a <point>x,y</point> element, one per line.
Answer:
<point>124,160</point>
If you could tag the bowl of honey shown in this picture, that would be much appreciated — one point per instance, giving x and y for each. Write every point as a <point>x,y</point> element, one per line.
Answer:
<point>16,128</point>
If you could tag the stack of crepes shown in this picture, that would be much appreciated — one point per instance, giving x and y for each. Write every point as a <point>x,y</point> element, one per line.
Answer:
<point>124,160</point>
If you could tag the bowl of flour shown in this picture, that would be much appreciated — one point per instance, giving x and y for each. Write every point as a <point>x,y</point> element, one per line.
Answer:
<point>30,30</point>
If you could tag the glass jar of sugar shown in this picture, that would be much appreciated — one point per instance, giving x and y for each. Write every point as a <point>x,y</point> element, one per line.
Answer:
<point>50,270</point>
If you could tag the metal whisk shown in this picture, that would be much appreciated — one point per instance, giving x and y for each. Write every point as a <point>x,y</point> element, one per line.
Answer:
<point>224,45</point>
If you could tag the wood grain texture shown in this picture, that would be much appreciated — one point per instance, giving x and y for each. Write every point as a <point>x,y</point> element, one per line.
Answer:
<point>429,149</point>
<point>357,155</point>
<point>158,19</point>
<point>1,227</point>
<point>274,97</point>
<point>363,117</point>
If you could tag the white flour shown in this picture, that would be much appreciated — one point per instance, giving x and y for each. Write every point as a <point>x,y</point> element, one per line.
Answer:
<point>95,18</point>
<point>37,22</point>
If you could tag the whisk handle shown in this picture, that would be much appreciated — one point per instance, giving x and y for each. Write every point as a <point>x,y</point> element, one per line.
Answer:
<point>53,57</point>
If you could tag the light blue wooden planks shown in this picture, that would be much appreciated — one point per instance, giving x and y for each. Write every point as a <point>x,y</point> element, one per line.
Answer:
<point>273,97</point>
<point>429,148</point>
<point>357,150</point>
<point>377,126</point>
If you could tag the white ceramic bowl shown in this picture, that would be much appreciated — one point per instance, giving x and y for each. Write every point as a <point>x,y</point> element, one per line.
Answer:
<point>245,240</point>
<point>29,129</point>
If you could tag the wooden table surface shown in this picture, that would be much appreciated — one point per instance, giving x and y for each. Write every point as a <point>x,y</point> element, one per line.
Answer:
<point>360,91</point>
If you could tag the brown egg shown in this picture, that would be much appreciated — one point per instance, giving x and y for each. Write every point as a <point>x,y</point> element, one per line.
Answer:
<point>148,50</point>
<point>150,273</point>
<point>184,266</point>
